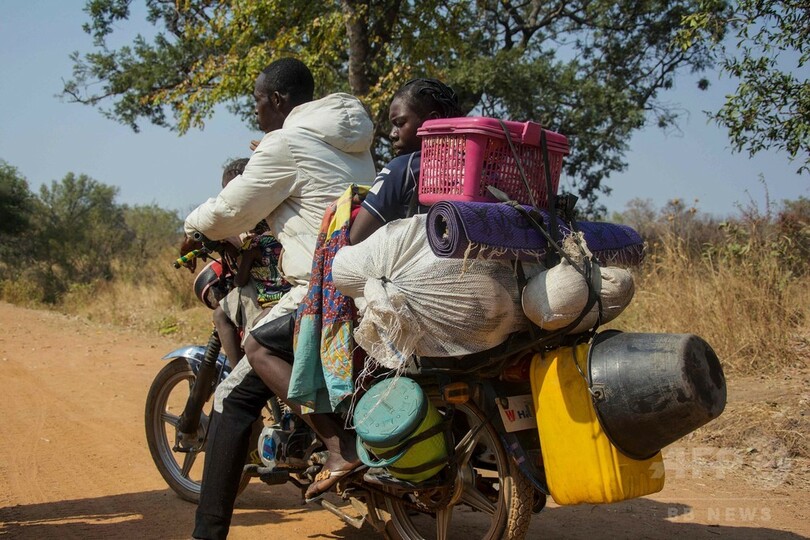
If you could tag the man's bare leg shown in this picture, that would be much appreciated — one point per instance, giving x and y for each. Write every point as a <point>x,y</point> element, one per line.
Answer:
<point>275,373</point>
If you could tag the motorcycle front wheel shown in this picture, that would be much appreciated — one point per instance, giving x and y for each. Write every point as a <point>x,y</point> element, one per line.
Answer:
<point>492,499</point>
<point>182,470</point>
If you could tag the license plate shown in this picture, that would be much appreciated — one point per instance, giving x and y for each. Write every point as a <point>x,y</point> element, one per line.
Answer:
<point>518,414</point>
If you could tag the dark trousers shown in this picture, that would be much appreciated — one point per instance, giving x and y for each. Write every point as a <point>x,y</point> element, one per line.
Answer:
<point>225,452</point>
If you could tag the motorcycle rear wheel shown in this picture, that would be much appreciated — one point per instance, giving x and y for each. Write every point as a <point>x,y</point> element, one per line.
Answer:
<point>492,494</point>
<point>165,401</point>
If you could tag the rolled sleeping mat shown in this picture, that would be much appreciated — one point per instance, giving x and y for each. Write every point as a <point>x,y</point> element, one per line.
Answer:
<point>459,230</point>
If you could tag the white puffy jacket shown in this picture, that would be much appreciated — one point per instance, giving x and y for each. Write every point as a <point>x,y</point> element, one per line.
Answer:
<point>292,176</point>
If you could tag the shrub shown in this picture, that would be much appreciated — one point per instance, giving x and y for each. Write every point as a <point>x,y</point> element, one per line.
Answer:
<point>747,293</point>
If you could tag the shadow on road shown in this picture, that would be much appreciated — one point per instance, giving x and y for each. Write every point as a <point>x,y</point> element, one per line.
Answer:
<point>746,519</point>
<point>154,514</point>
<point>161,514</point>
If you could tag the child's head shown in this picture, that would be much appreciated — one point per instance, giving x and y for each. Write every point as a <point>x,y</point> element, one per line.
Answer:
<point>233,169</point>
<point>416,101</point>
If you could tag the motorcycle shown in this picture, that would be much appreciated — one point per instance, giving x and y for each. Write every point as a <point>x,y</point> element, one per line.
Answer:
<point>178,402</point>
<point>493,479</point>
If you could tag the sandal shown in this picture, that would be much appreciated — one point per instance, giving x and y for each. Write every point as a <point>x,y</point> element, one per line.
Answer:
<point>325,479</point>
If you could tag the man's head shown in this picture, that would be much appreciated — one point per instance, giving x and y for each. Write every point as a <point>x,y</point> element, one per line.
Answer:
<point>281,86</point>
<point>233,169</point>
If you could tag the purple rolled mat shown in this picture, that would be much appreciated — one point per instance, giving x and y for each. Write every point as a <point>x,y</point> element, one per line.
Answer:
<point>458,229</point>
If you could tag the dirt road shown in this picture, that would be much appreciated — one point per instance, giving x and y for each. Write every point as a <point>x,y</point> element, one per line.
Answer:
<point>74,461</point>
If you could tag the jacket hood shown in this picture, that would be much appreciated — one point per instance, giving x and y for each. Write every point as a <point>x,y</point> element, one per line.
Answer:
<point>339,120</point>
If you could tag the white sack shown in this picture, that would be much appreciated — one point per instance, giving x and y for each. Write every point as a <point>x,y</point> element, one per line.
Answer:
<point>554,298</point>
<point>421,304</point>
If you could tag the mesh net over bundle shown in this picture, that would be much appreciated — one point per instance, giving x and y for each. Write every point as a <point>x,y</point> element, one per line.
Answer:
<point>421,304</point>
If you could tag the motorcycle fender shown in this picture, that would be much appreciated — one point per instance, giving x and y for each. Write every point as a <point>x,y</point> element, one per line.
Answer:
<point>194,354</point>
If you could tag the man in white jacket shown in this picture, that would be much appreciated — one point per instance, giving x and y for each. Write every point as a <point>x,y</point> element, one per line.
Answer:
<point>311,152</point>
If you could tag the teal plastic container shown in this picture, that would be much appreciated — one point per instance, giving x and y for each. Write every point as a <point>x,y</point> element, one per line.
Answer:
<point>388,419</point>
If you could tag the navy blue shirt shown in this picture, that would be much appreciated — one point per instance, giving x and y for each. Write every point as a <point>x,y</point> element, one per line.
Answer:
<point>390,195</point>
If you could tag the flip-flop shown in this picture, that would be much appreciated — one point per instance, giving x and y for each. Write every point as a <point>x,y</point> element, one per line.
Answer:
<point>325,480</point>
<point>316,498</point>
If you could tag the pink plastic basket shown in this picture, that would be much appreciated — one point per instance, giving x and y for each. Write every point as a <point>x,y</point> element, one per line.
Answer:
<point>462,156</point>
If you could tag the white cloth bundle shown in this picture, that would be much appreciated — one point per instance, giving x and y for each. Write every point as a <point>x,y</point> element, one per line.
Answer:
<point>554,298</point>
<point>421,304</point>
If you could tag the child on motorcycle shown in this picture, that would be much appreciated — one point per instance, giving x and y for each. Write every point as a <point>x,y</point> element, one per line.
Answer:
<point>258,283</point>
<point>393,195</point>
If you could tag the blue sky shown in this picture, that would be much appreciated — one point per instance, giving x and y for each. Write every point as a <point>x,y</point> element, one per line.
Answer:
<point>46,137</point>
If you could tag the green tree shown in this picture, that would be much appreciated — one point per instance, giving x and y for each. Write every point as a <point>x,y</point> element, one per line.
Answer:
<point>17,226</point>
<point>641,215</point>
<point>82,231</point>
<point>16,202</point>
<point>590,69</point>
<point>154,230</point>
<point>793,224</point>
<point>766,54</point>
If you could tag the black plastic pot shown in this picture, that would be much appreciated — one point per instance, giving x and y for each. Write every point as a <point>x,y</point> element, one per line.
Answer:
<point>652,389</point>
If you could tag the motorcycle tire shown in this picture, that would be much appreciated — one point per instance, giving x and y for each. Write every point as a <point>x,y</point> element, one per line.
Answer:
<point>495,499</point>
<point>165,401</point>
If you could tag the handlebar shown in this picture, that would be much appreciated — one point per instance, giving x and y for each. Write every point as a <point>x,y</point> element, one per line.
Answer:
<point>183,260</point>
<point>208,248</point>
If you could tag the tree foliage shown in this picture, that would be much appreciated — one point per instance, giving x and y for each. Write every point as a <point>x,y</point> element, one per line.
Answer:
<point>16,203</point>
<point>82,229</point>
<point>769,46</point>
<point>152,227</point>
<point>73,232</point>
<point>676,222</point>
<point>591,70</point>
<point>17,211</point>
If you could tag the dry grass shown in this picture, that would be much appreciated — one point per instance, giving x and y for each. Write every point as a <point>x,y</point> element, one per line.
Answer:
<point>163,304</point>
<point>751,301</point>
<point>763,433</point>
<point>776,428</point>
<point>754,316</point>
<point>744,289</point>
<point>738,294</point>
<point>138,307</point>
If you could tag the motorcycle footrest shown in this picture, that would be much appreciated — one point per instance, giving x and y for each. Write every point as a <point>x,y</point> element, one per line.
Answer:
<point>273,478</point>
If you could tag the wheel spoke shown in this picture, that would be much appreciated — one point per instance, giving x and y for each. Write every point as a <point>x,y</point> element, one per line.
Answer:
<point>487,492</point>
<point>443,518</point>
<point>169,418</point>
<point>477,500</point>
<point>188,462</point>
<point>465,447</point>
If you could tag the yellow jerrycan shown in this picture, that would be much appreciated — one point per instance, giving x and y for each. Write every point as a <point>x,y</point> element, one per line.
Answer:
<point>581,464</point>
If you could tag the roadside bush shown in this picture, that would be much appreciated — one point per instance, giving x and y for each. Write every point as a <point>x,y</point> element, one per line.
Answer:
<point>22,292</point>
<point>747,294</point>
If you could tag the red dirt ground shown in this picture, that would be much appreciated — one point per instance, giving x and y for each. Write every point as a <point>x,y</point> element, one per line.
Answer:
<point>74,461</point>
